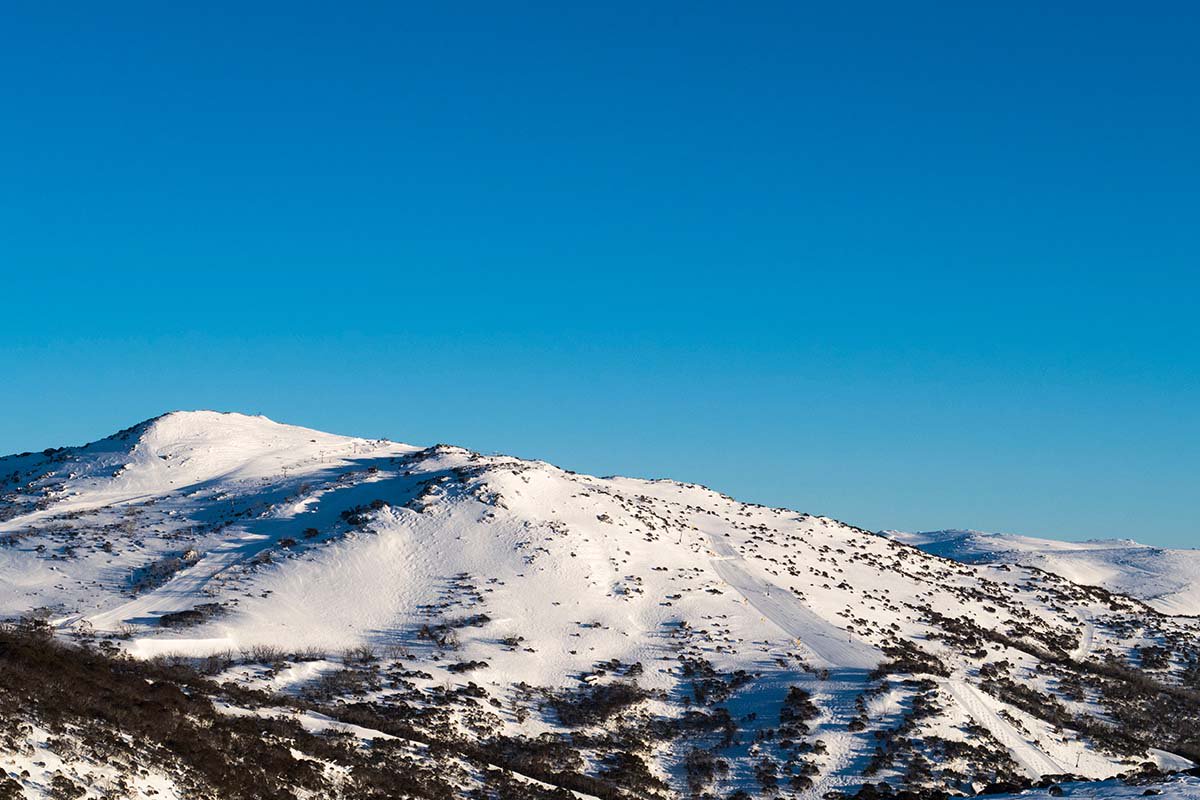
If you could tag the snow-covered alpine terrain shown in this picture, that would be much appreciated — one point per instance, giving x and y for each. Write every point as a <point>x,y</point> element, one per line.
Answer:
<point>1165,579</point>
<point>524,626</point>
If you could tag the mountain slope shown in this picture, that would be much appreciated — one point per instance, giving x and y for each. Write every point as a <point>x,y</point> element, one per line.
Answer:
<point>1165,579</point>
<point>662,639</point>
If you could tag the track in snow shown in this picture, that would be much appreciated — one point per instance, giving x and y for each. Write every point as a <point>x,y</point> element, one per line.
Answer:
<point>1026,754</point>
<point>848,657</point>
<point>847,753</point>
<point>185,589</point>
<point>1086,636</point>
<point>830,644</point>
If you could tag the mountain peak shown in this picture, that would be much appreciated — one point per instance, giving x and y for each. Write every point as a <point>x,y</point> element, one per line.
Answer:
<point>201,424</point>
<point>174,450</point>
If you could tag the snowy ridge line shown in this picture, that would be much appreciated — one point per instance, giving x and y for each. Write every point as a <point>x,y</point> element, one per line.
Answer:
<point>1167,580</point>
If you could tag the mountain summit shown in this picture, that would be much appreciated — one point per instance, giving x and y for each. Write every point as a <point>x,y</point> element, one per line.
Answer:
<point>656,638</point>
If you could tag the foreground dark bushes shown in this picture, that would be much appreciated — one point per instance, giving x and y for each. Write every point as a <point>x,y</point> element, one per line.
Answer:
<point>162,716</point>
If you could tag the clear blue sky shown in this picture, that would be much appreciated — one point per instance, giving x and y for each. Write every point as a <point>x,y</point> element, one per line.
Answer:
<point>911,265</point>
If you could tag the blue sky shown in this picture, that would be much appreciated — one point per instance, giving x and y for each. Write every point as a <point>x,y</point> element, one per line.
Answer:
<point>910,265</point>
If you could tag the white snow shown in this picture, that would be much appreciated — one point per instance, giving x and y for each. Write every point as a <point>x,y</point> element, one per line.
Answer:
<point>1180,787</point>
<point>568,570</point>
<point>980,708</point>
<point>1168,580</point>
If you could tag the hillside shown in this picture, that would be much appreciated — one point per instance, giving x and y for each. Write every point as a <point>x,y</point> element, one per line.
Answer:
<point>511,621</point>
<point>1165,579</point>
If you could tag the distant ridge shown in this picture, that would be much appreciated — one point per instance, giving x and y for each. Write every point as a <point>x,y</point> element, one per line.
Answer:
<point>1166,579</point>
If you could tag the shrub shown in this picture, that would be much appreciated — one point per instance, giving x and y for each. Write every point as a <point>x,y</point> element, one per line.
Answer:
<point>193,616</point>
<point>595,704</point>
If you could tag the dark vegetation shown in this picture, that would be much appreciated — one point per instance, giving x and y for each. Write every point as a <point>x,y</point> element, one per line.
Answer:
<point>359,516</point>
<point>1145,706</point>
<point>193,616</point>
<point>591,705</point>
<point>158,572</point>
<point>118,710</point>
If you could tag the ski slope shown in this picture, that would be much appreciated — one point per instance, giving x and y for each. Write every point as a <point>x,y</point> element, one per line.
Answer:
<point>1035,762</point>
<point>829,645</point>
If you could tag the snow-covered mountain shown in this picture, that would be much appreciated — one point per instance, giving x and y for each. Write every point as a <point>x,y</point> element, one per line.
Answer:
<point>646,638</point>
<point>1167,580</point>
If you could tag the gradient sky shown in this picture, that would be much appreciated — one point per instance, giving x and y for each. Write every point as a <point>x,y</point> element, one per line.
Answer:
<point>910,265</point>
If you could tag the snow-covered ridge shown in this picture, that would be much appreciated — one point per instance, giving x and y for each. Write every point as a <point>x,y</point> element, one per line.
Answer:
<point>190,446</point>
<point>307,563</point>
<point>1166,579</point>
